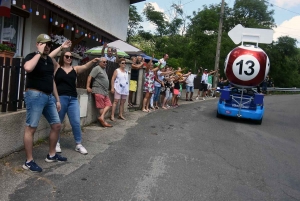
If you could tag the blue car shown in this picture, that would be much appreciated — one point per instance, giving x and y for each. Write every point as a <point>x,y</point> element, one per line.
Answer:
<point>241,103</point>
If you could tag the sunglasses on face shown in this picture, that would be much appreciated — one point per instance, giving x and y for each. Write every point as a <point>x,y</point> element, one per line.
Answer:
<point>49,44</point>
<point>122,62</point>
<point>68,57</point>
<point>104,62</point>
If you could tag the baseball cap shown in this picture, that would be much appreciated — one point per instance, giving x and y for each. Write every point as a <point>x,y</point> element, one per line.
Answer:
<point>205,69</point>
<point>43,38</point>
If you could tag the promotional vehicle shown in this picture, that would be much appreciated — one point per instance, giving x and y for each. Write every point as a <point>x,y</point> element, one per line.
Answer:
<point>246,66</point>
<point>241,103</point>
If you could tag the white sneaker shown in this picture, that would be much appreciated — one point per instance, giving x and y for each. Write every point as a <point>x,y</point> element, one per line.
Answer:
<point>203,98</point>
<point>81,149</point>
<point>57,148</point>
<point>197,98</point>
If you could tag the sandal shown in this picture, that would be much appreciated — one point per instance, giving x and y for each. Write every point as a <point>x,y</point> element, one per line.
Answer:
<point>164,108</point>
<point>121,117</point>
<point>112,118</point>
<point>152,108</point>
<point>156,107</point>
<point>145,110</point>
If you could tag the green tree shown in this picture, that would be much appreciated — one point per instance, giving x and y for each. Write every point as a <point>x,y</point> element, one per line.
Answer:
<point>133,22</point>
<point>254,14</point>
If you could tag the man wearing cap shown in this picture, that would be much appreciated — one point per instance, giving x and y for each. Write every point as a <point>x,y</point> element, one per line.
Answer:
<point>204,82</point>
<point>41,97</point>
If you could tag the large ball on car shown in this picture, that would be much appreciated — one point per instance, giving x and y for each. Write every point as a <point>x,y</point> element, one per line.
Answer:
<point>247,66</point>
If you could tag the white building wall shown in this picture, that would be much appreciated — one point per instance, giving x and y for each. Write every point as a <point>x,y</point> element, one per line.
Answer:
<point>35,25</point>
<point>109,15</point>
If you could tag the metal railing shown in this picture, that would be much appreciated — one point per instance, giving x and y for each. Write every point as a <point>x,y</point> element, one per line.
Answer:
<point>278,89</point>
<point>13,79</point>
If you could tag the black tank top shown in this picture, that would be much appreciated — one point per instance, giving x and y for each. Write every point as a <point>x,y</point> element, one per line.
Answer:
<point>66,83</point>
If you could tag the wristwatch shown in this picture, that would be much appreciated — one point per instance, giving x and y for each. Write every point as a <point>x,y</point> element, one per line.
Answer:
<point>38,52</point>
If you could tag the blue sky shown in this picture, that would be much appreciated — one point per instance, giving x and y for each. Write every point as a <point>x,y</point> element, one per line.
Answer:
<point>287,13</point>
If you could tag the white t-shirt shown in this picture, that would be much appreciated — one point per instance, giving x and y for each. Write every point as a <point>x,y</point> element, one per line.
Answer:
<point>163,62</point>
<point>190,80</point>
<point>204,78</point>
<point>160,77</point>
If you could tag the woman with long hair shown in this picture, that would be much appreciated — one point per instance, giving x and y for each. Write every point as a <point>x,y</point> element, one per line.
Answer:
<point>149,84</point>
<point>65,78</point>
<point>120,89</point>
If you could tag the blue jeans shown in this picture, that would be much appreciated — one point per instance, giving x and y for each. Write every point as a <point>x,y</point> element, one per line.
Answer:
<point>156,94</point>
<point>38,103</point>
<point>70,105</point>
<point>189,89</point>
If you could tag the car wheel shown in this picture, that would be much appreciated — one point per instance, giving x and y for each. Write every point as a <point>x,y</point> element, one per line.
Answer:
<point>259,121</point>
<point>218,114</point>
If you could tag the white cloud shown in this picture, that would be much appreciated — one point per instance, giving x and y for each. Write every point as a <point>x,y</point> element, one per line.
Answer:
<point>149,26</point>
<point>288,28</point>
<point>287,3</point>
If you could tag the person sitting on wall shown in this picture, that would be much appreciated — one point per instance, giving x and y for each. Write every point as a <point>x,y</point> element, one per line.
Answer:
<point>100,90</point>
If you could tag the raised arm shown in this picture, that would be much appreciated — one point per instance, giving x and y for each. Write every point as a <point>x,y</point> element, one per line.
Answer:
<point>30,64</point>
<point>82,68</point>
<point>103,48</point>
<point>117,57</point>
<point>65,45</point>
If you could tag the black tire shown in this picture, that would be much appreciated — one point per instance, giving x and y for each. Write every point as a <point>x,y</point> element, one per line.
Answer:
<point>259,121</point>
<point>218,115</point>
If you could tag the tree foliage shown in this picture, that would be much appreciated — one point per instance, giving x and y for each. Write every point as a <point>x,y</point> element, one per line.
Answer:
<point>133,22</point>
<point>194,45</point>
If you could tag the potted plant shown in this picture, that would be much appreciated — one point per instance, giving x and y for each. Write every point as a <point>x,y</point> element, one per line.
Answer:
<point>7,51</point>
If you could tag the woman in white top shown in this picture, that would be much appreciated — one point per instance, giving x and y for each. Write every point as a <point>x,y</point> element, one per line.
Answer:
<point>120,89</point>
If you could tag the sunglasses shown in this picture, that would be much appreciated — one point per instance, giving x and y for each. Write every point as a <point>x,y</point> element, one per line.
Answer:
<point>123,63</point>
<point>49,44</point>
<point>104,61</point>
<point>68,57</point>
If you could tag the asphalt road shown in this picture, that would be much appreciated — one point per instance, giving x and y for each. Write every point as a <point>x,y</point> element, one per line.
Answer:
<point>181,154</point>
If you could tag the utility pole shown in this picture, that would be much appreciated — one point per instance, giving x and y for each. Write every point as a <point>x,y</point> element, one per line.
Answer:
<point>219,44</point>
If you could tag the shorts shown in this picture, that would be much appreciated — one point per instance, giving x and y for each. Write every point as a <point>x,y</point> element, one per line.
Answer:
<point>189,89</point>
<point>133,85</point>
<point>209,86</point>
<point>102,101</point>
<point>38,103</point>
<point>119,96</point>
<point>176,91</point>
<point>203,87</point>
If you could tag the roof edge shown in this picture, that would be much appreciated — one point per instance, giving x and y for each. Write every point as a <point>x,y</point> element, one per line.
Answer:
<point>136,1</point>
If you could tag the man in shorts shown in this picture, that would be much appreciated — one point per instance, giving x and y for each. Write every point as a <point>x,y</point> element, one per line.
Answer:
<point>100,90</point>
<point>41,97</point>
<point>204,82</point>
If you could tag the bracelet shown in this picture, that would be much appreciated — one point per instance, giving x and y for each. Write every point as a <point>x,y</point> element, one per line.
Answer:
<point>61,48</point>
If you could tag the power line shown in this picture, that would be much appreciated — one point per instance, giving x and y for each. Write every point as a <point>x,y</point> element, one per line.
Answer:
<point>272,4</point>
